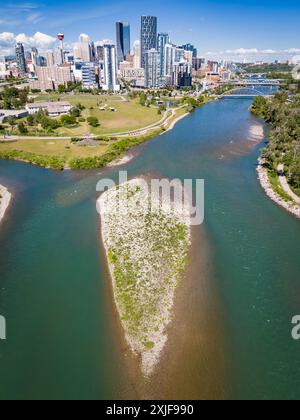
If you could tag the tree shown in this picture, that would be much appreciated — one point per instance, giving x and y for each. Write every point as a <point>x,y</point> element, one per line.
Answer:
<point>30,119</point>
<point>93,121</point>
<point>67,120</point>
<point>75,112</point>
<point>80,106</point>
<point>12,122</point>
<point>22,128</point>
<point>61,88</point>
<point>143,98</point>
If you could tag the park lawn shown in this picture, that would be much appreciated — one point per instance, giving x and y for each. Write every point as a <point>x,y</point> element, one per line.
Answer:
<point>130,115</point>
<point>45,97</point>
<point>60,148</point>
<point>89,100</point>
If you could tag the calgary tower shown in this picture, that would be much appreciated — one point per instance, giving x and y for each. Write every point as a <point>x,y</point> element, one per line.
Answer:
<point>61,38</point>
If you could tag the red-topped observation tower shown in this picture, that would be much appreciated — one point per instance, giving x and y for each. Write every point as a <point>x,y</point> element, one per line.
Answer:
<point>61,38</point>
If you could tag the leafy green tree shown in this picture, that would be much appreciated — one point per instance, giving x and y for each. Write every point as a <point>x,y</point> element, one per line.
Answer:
<point>61,88</point>
<point>30,119</point>
<point>93,121</point>
<point>75,112</point>
<point>68,120</point>
<point>22,128</point>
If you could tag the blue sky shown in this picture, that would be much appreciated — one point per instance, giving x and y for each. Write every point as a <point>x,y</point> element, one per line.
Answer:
<point>225,28</point>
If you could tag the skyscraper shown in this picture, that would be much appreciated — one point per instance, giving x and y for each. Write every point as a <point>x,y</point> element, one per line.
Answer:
<point>123,40</point>
<point>137,54</point>
<point>170,59</point>
<point>100,52</point>
<point>110,68</point>
<point>50,59</point>
<point>182,75</point>
<point>20,56</point>
<point>82,50</point>
<point>162,41</point>
<point>148,36</point>
<point>89,76</point>
<point>152,69</point>
<point>190,47</point>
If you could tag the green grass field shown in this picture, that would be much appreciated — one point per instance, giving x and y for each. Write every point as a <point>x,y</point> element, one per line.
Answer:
<point>129,115</point>
<point>62,153</point>
<point>60,148</point>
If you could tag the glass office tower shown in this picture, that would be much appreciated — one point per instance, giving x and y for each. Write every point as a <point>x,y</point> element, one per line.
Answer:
<point>162,41</point>
<point>148,36</point>
<point>20,57</point>
<point>123,40</point>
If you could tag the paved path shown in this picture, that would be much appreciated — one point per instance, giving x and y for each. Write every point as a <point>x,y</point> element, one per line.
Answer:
<point>285,184</point>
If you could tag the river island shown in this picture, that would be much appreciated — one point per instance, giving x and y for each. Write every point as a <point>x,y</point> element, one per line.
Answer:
<point>5,198</point>
<point>147,249</point>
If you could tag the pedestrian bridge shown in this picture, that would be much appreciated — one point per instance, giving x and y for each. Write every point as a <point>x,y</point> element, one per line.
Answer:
<point>246,92</point>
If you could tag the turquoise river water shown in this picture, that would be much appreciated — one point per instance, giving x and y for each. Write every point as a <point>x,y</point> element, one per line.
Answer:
<point>231,334</point>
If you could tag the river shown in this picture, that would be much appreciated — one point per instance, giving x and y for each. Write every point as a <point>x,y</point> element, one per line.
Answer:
<point>231,334</point>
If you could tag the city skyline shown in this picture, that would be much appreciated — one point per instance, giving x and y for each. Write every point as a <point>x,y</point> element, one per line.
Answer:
<point>216,30</point>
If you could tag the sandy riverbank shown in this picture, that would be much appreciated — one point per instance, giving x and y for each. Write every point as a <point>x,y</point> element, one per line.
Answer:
<point>121,161</point>
<point>173,123</point>
<point>5,198</point>
<point>147,252</point>
<point>265,183</point>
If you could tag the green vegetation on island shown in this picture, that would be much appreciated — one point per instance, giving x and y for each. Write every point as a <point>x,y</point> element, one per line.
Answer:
<point>147,246</point>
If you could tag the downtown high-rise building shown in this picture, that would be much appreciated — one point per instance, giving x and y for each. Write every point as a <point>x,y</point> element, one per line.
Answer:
<point>110,81</point>
<point>191,48</point>
<point>148,36</point>
<point>162,40</point>
<point>137,54</point>
<point>152,69</point>
<point>182,75</point>
<point>50,59</point>
<point>169,61</point>
<point>123,40</point>
<point>89,80</point>
<point>82,50</point>
<point>20,57</point>
<point>100,53</point>
<point>51,77</point>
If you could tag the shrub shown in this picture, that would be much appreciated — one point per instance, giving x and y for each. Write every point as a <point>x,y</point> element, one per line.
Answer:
<point>93,121</point>
<point>68,120</point>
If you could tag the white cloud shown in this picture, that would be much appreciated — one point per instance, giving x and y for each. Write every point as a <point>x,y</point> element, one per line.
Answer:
<point>269,52</point>
<point>293,51</point>
<point>242,51</point>
<point>7,39</point>
<point>38,40</point>
<point>34,18</point>
<point>254,54</point>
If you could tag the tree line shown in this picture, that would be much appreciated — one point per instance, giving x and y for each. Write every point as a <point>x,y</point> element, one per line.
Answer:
<point>283,113</point>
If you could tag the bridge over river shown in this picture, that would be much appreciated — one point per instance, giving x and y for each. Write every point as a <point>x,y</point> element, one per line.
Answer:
<point>251,91</point>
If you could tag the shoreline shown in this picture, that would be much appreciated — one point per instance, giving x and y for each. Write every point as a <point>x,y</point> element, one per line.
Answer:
<point>140,137</point>
<point>263,177</point>
<point>5,199</point>
<point>144,290</point>
<point>173,123</point>
<point>121,161</point>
